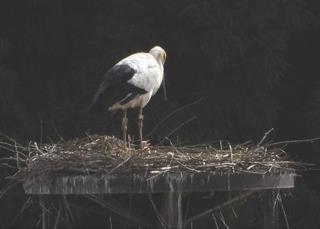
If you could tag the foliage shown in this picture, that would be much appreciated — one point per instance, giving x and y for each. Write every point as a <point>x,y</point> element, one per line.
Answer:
<point>234,52</point>
<point>239,59</point>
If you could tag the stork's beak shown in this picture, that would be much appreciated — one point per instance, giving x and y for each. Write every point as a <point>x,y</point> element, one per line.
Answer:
<point>164,88</point>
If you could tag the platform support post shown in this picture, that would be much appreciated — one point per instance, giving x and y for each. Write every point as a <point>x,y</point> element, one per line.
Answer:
<point>42,203</point>
<point>173,210</point>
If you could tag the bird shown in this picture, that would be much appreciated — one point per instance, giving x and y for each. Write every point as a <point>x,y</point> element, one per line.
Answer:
<point>131,83</point>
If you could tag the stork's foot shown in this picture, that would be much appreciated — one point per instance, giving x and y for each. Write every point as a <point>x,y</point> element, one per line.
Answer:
<point>125,144</point>
<point>145,146</point>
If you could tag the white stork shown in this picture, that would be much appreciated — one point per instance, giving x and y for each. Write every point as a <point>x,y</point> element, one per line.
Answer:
<point>131,83</point>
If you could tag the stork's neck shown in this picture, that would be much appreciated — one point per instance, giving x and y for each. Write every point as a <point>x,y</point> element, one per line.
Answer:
<point>158,59</point>
<point>160,62</point>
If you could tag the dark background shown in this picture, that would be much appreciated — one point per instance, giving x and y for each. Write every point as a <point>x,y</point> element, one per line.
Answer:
<point>244,66</point>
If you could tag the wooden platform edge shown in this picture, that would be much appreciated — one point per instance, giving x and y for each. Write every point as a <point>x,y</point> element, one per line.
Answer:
<point>166,182</point>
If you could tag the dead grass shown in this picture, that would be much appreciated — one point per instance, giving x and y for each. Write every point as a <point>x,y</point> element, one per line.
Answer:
<point>97,154</point>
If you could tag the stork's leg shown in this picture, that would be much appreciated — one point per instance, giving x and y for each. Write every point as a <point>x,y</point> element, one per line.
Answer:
<point>124,126</point>
<point>140,125</point>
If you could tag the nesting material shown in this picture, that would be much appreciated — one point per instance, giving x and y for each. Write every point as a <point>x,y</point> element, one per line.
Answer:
<point>106,155</point>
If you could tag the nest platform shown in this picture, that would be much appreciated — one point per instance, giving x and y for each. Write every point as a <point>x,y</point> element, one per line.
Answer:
<point>102,164</point>
<point>167,175</point>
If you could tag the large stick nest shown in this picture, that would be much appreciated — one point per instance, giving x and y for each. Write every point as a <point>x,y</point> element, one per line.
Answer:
<point>104,155</point>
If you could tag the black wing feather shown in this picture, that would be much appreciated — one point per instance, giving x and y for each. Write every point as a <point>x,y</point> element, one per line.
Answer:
<point>114,87</point>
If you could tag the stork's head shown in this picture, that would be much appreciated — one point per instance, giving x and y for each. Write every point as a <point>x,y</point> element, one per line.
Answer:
<point>159,54</point>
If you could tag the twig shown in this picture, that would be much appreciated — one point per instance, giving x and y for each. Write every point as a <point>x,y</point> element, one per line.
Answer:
<point>118,210</point>
<point>293,142</point>
<point>264,137</point>
<point>11,145</point>
<point>158,214</point>
<point>8,149</point>
<point>121,164</point>
<point>233,200</point>
<point>67,205</point>
<point>44,211</point>
<point>17,155</point>
<point>234,212</point>
<point>187,167</point>
<point>56,223</point>
<point>57,132</point>
<point>222,220</point>
<point>275,203</point>
<point>6,188</point>
<point>215,220</point>
<point>7,137</point>
<point>68,224</point>
<point>23,208</point>
<point>178,127</point>
<point>284,212</point>
<point>171,114</point>
<point>9,166</point>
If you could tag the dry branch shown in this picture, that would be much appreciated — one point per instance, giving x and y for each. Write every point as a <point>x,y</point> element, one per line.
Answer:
<point>106,155</point>
<point>227,203</point>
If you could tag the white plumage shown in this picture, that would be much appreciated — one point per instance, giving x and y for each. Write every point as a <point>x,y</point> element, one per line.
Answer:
<point>131,83</point>
<point>149,72</point>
